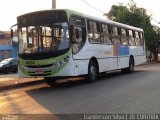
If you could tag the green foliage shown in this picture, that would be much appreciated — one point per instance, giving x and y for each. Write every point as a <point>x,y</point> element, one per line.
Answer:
<point>134,16</point>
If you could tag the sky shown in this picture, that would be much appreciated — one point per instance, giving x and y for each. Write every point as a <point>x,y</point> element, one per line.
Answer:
<point>10,9</point>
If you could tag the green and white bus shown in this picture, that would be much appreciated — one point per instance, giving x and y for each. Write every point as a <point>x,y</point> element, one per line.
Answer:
<point>61,43</point>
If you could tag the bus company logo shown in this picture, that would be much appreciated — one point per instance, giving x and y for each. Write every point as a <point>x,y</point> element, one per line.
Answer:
<point>30,62</point>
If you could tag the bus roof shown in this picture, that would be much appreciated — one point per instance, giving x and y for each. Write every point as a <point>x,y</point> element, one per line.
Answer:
<point>71,12</point>
<point>104,20</point>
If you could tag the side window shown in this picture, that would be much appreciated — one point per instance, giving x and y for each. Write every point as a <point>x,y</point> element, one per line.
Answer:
<point>93,32</point>
<point>78,38</point>
<point>115,35</point>
<point>142,38</point>
<point>137,38</point>
<point>131,37</point>
<point>80,33</point>
<point>124,38</point>
<point>105,35</point>
<point>96,32</point>
<point>90,30</point>
<point>77,29</point>
<point>77,33</point>
<point>14,62</point>
<point>114,30</point>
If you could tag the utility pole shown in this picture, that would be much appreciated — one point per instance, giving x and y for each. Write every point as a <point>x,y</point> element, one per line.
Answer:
<point>53,4</point>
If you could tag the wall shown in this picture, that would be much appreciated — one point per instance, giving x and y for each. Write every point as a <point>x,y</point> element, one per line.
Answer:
<point>7,48</point>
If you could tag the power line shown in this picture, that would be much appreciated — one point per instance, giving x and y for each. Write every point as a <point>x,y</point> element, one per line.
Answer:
<point>93,7</point>
<point>155,20</point>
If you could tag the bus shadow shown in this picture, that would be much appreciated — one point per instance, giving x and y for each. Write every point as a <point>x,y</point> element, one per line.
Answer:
<point>118,73</point>
<point>80,81</point>
<point>62,94</point>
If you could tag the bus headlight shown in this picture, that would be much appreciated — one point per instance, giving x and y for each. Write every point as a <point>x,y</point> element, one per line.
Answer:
<point>55,65</point>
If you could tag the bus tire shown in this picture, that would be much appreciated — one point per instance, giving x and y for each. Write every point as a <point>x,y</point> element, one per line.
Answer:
<point>50,80</point>
<point>131,65</point>
<point>92,71</point>
<point>130,68</point>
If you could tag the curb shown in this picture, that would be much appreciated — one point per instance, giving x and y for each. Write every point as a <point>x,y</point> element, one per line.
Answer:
<point>148,63</point>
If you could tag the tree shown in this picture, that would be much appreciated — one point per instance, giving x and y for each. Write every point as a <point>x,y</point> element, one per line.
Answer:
<point>134,16</point>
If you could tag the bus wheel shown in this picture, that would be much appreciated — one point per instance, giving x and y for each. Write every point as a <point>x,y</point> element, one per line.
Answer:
<point>130,68</point>
<point>92,71</point>
<point>50,80</point>
<point>131,65</point>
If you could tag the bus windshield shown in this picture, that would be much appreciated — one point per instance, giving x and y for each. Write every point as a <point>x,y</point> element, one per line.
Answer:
<point>44,38</point>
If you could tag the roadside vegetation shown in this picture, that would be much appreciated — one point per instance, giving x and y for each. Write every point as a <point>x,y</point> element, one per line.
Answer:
<point>138,17</point>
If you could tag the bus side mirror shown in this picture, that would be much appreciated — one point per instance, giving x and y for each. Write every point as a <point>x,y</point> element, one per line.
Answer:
<point>11,33</point>
<point>12,28</point>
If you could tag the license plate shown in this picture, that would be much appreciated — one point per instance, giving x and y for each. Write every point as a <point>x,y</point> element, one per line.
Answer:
<point>39,72</point>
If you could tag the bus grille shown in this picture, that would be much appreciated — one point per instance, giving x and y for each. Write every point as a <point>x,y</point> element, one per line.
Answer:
<point>39,66</point>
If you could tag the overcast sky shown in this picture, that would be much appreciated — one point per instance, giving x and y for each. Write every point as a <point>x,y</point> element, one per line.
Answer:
<point>10,9</point>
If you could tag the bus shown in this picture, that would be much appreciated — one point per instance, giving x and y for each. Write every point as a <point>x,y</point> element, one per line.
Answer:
<point>62,42</point>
